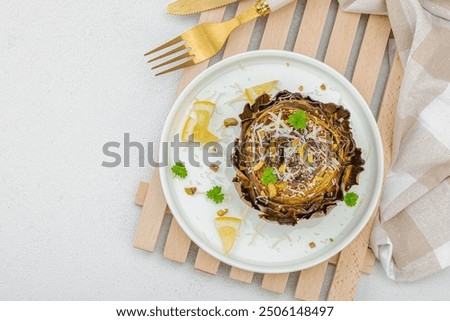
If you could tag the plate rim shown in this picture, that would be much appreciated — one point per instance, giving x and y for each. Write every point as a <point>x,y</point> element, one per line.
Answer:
<point>379,165</point>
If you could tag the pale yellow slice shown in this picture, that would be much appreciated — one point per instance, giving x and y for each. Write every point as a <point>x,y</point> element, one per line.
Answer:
<point>198,122</point>
<point>253,92</point>
<point>205,105</point>
<point>228,228</point>
<point>188,128</point>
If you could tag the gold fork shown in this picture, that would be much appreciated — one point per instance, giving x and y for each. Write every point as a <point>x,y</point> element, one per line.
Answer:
<point>204,41</point>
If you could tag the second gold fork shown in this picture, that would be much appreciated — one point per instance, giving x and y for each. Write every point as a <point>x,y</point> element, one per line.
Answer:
<point>205,40</point>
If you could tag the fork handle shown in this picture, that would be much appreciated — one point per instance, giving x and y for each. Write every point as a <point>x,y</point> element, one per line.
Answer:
<point>277,4</point>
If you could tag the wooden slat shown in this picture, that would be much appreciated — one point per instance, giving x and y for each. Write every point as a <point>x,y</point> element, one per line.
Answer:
<point>311,27</point>
<point>206,263</point>
<point>141,193</point>
<point>237,42</point>
<point>343,286</point>
<point>177,243</point>
<point>341,40</point>
<point>310,282</point>
<point>371,55</point>
<point>275,282</point>
<point>347,274</point>
<point>334,259</point>
<point>152,215</point>
<point>241,275</point>
<point>277,21</point>
<point>369,261</point>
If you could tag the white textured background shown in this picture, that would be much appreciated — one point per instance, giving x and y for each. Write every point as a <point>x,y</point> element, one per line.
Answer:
<point>73,77</point>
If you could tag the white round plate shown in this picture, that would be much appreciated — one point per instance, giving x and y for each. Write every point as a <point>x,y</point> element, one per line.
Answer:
<point>262,246</point>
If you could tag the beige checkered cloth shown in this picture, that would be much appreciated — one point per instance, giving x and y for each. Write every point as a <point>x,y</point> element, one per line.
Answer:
<point>411,237</point>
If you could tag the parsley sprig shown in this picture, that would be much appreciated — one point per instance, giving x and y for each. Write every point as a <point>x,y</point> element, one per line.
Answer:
<point>215,194</point>
<point>351,198</point>
<point>298,119</point>
<point>179,170</point>
<point>269,176</point>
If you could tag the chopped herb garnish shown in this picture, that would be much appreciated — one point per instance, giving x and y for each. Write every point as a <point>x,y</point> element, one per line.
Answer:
<point>179,170</point>
<point>269,176</point>
<point>351,198</point>
<point>331,240</point>
<point>298,119</point>
<point>215,194</point>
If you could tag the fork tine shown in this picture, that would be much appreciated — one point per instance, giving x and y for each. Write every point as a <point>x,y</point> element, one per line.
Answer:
<point>183,65</point>
<point>185,55</point>
<point>168,53</point>
<point>167,44</point>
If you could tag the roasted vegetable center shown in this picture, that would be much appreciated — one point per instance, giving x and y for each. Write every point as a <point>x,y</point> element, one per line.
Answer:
<point>295,157</point>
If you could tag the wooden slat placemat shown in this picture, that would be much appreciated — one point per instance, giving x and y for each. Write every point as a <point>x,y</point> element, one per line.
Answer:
<point>356,258</point>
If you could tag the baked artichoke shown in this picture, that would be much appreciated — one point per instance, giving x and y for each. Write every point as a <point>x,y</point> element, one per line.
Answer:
<point>291,171</point>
